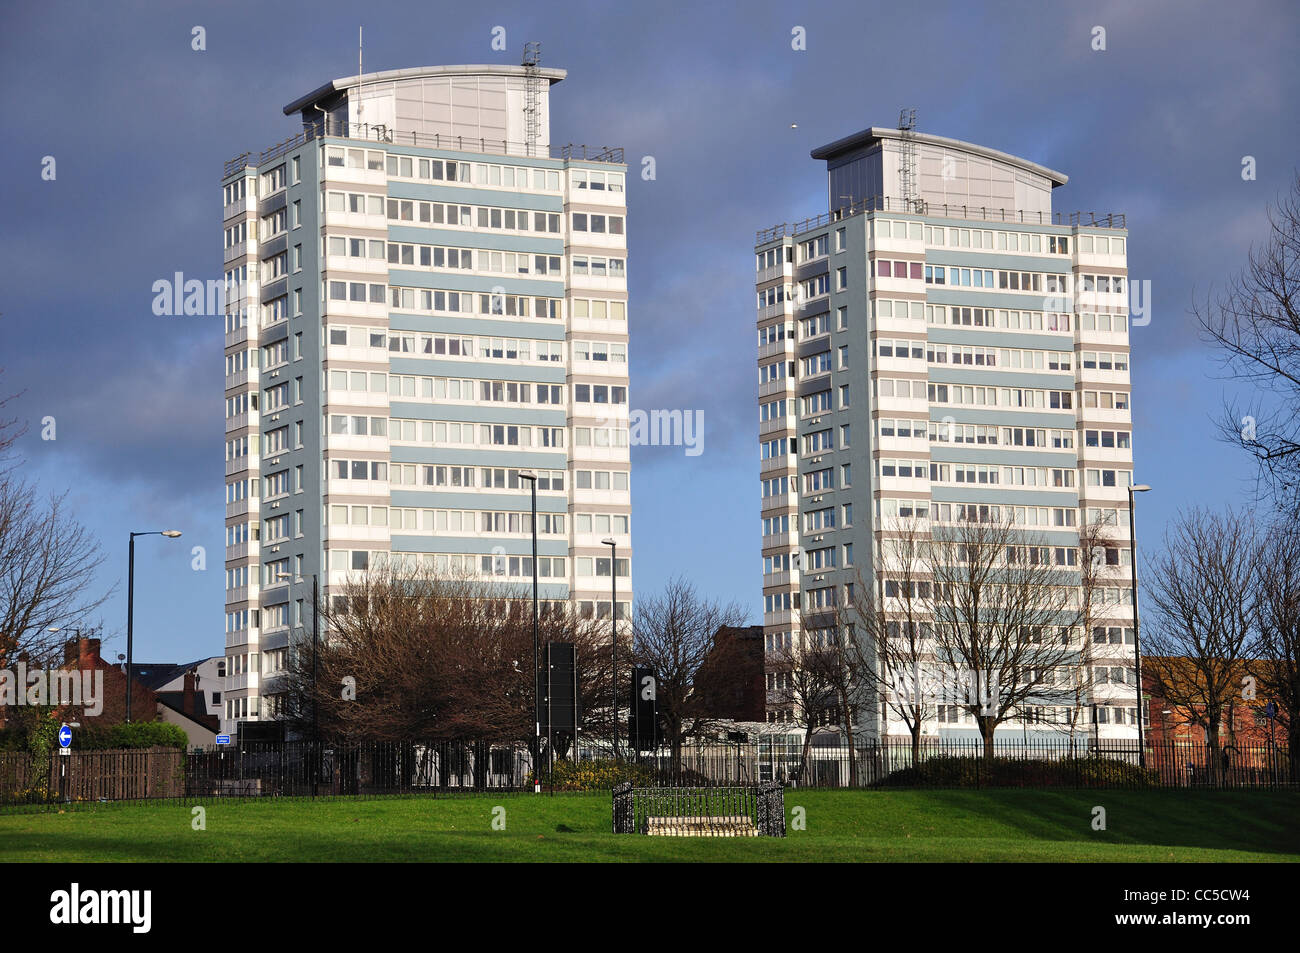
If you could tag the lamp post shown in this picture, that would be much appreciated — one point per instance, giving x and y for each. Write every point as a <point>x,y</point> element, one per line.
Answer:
<point>537,717</point>
<point>130,606</point>
<point>1137,639</point>
<point>613,633</point>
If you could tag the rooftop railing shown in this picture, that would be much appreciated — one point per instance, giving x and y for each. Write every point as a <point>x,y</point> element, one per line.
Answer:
<point>884,203</point>
<point>388,136</point>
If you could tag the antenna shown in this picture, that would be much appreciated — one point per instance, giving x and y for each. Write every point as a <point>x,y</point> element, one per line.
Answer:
<point>532,95</point>
<point>907,161</point>
<point>360,107</point>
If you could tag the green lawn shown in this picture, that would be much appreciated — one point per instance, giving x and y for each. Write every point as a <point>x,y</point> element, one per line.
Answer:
<point>905,825</point>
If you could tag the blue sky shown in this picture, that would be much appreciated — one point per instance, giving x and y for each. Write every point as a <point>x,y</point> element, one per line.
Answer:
<point>1154,126</point>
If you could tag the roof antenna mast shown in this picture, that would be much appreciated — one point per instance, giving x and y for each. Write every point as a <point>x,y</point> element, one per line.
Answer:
<point>912,201</point>
<point>532,95</point>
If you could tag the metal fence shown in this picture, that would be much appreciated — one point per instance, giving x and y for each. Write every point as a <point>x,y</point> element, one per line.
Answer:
<point>371,132</point>
<point>979,213</point>
<point>366,769</point>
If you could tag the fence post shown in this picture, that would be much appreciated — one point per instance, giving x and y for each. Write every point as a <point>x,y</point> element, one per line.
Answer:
<point>623,808</point>
<point>770,809</point>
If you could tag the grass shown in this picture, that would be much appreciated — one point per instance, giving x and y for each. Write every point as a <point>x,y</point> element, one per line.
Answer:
<point>855,826</point>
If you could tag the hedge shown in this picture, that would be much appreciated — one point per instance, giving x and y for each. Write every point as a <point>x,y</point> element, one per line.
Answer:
<point>969,772</point>
<point>597,775</point>
<point>137,734</point>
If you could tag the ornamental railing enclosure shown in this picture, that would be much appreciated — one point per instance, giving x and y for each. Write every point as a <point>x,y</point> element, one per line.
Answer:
<point>751,811</point>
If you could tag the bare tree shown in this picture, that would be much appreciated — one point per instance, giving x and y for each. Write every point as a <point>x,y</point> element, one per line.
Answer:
<point>1098,563</point>
<point>1255,322</point>
<point>1275,661</point>
<point>802,690</point>
<point>838,661</point>
<point>48,562</point>
<point>889,649</point>
<point>437,658</point>
<point>1202,616</point>
<point>10,430</point>
<point>673,634</point>
<point>1004,605</point>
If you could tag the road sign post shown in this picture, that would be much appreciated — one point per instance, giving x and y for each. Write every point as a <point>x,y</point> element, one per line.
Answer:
<point>65,748</point>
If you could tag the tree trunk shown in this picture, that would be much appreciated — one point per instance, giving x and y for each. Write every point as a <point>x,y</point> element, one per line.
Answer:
<point>803,756</point>
<point>1212,740</point>
<point>916,741</point>
<point>853,753</point>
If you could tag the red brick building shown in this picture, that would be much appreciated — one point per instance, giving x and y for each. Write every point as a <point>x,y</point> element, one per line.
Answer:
<point>730,680</point>
<point>1244,722</point>
<point>83,655</point>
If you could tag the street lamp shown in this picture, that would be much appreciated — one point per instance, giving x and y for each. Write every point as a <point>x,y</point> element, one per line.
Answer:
<point>1137,639</point>
<point>537,716</point>
<point>130,606</point>
<point>613,632</point>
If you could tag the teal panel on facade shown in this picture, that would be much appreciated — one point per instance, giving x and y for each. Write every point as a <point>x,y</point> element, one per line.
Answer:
<point>538,243</point>
<point>480,457</point>
<point>1025,340</point>
<point>468,195</point>
<point>1007,417</point>
<point>519,499</point>
<point>943,453</point>
<point>480,545</point>
<point>977,298</point>
<point>1035,496</point>
<point>996,377</point>
<point>486,370</point>
<point>466,413</point>
<point>483,284</point>
<point>450,324</point>
<point>997,260</point>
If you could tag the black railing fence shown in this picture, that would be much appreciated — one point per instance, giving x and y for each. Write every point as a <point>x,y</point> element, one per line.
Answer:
<point>372,132</point>
<point>370,769</point>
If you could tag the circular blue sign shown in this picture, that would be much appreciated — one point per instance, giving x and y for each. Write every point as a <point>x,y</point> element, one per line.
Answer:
<point>65,737</point>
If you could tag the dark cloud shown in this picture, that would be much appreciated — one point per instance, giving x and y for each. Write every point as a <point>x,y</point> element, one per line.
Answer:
<point>1154,127</point>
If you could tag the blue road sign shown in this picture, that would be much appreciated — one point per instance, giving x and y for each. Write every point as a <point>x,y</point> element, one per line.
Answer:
<point>1271,710</point>
<point>65,737</point>
<point>223,739</point>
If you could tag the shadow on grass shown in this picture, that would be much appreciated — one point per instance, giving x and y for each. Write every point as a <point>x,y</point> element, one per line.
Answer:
<point>1253,821</point>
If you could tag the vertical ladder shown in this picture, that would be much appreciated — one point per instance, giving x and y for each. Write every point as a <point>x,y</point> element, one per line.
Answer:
<point>907,161</point>
<point>532,96</point>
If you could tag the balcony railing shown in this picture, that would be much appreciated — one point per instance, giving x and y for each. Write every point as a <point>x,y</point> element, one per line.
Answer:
<point>884,203</point>
<point>388,136</point>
